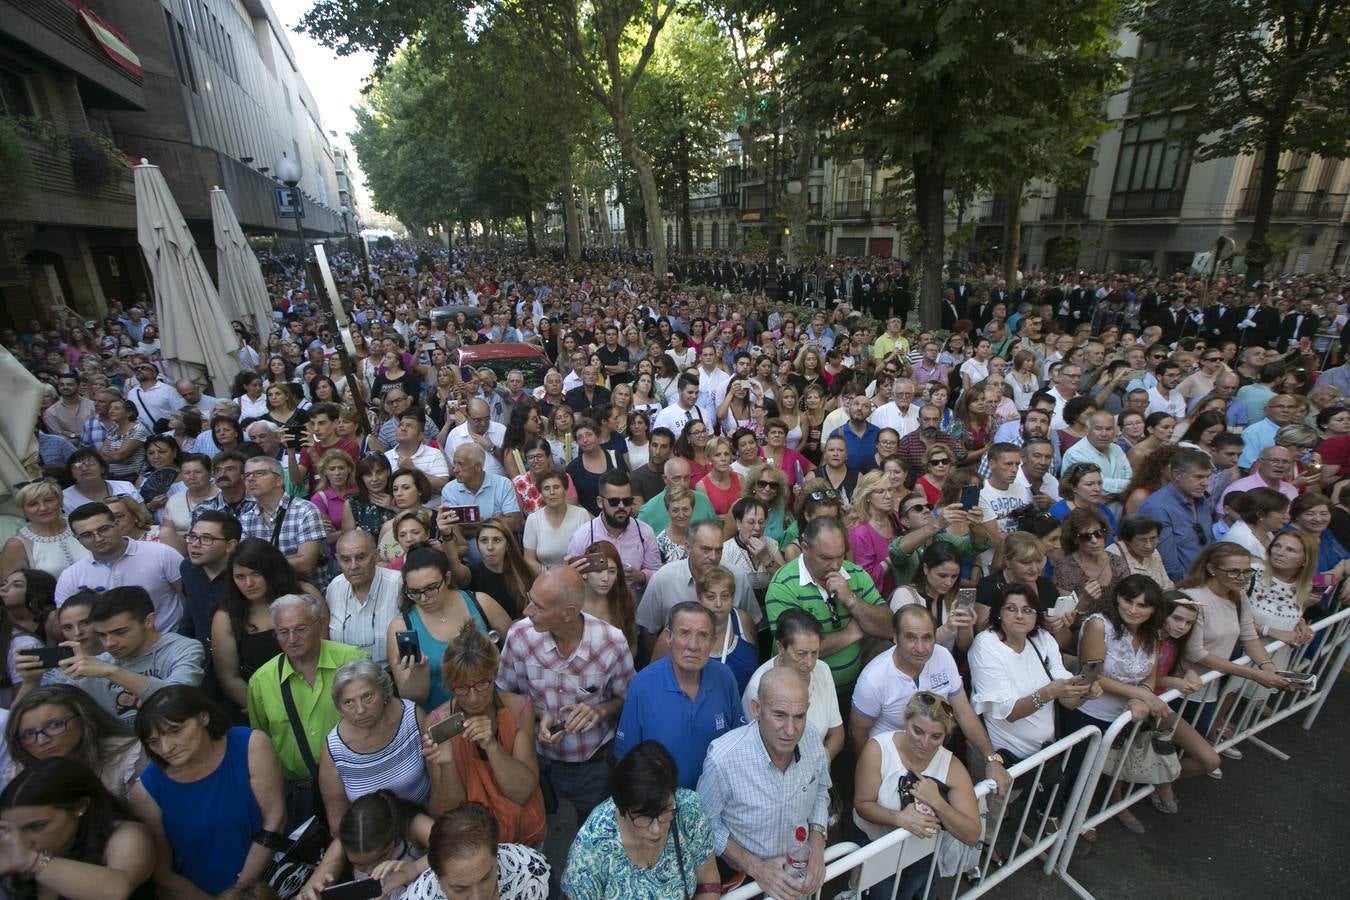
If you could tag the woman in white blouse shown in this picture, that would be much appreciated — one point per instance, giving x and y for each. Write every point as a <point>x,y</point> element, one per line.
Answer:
<point>548,530</point>
<point>1018,676</point>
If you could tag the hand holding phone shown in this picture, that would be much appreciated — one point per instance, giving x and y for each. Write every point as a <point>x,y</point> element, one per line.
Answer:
<point>363,889</point>
<point>409,646</point>
<point>446,728</point>
<point>49,657</point>
<point>1090,670</point>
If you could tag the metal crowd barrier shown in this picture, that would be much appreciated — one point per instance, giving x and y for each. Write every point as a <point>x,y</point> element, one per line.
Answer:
<point>1016,832</point>
<point>1244,707</point>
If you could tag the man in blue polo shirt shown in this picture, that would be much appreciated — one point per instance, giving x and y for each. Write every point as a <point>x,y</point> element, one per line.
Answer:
<point>683,700</point>
<point>860,435</point>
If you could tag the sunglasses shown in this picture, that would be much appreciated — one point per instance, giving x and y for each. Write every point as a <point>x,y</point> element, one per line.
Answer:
<point>928,698</point>
<point>1093,535</point>
<point>616,502</point>
<point>939,461</point>
<point>825,496</point>
<point>917,507</point>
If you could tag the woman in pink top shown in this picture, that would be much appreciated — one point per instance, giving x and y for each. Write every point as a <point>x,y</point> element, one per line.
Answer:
<point>776,451</point>
<point>871,529</point>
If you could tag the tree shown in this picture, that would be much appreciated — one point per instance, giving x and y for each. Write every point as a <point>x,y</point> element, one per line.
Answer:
<point>922,86</point>
<point>1250,76</point>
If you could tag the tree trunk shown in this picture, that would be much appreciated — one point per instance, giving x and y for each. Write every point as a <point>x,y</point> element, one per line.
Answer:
<point>799,206</point>
<point>651,199</point>
<point>929,181</point>
<point>530,246</point>
<point>1258,250</point>
<point>686,211</point>
<point>1012,233</point>
<point>569,204</point>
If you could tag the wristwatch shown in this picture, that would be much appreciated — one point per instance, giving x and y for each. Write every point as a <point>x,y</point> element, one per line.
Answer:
<point>994,758</point>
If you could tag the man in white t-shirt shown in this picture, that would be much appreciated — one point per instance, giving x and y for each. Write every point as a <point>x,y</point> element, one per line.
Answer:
<point>1001,496</point>
<point>918,663</point>
<point>1164,396</point>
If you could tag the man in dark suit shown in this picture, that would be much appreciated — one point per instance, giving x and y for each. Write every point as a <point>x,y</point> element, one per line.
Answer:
<point>982,310</point>
<point>952,309</point>
<point>1299,322</point>
<point>1221,319</point>
<point>1171,319</point>
<point>589,394</point>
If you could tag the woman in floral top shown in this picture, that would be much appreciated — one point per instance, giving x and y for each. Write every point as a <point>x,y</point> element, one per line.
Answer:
<point>650,839</point>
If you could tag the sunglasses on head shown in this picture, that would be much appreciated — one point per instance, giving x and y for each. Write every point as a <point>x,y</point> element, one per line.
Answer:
<point>825,496</point>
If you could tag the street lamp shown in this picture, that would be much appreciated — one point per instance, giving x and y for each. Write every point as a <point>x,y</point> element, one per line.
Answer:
<point>288,170</point>
<point>794,187</point>
<point>346,227</point>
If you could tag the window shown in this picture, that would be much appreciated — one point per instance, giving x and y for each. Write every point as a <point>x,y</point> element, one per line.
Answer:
<point>698,236</point>
<point>714,235</point>
<point>14,98</point>
<point>1151,170</point>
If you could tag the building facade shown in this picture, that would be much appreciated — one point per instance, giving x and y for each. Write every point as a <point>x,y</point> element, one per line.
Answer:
<point>214,97</point>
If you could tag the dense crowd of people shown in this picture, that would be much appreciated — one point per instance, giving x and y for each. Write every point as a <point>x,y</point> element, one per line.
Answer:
<point>759,563</point>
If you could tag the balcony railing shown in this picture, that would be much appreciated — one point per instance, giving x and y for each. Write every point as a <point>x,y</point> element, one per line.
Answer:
<point>1070,204</point>
<point>853,209</point>
<point>1144,204</point>
<point>1318,205</point>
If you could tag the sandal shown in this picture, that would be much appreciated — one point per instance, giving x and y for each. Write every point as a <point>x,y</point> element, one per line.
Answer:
<point>1089,835</point>
<point>1168,807</point>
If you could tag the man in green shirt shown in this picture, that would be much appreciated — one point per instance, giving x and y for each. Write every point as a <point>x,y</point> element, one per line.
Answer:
<point>836,593</point>
<point>675,474</point>
<point>307,665</point>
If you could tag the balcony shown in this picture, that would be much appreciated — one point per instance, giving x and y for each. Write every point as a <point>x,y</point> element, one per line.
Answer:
<point>715,201</point>
<point>856,210</point>
<point>1144,204</point>
<point>1317,205</point>
<point>1070,204</point>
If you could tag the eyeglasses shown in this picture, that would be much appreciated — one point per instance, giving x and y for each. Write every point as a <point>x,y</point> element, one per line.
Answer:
<point>826,496</point>
<point>1093,535</point>
<point>1021,610</point>
<point>258,473</point>
<point>642,823</point>
<point>616,502</point>
<point>928,698</point>
<point>415,594</point>
<point>206,540</point>
<point>54,728</point>
<point>105,531</point>
<point>1212,359</point>
<point>1236,573</point>
<point>463,690</point>
<point>299,631</point>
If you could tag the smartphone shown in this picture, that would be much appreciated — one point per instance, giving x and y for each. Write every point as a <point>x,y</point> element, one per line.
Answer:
<point>49,656</point>
<point>1302,680</point>
<point>465,373</point>
<point>408,645</point>
<point>965,599</point>
<point>467,514</point>
<point>594,562</point>
<point>556,727</point>
<point>1089,670</point>
<point>297,433</point>
<point>365,889</point>
<point>970,496</point>
<point>446,728</point>
<point>1064,605</point>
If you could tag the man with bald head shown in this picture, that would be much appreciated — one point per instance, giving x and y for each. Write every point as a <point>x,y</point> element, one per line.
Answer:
<point>753,808</point>
<point>575,669</point>
<point>676,473</point>
<point>480,431</point>
<point>1101,449</point>
<point>193,396</point>
<point>364,599</point>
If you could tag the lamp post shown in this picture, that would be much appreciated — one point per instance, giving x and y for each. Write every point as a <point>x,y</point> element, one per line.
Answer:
<point>794,188</point>
<point>346,226</point>
<point>288,170</point>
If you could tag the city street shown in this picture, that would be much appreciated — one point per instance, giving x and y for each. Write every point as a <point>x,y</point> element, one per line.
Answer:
<point>1285,837</point>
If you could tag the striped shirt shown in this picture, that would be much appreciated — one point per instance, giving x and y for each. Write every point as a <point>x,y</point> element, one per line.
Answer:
<point>794,588</point>
<point>397,766</point>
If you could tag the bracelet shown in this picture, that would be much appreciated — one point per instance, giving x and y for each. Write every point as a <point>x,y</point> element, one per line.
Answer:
<point>41,860</point>
<point>1036,699</point>
<point>1266,663</point>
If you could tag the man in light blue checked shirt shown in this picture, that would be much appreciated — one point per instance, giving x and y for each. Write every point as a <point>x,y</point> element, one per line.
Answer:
<point>762,781</point>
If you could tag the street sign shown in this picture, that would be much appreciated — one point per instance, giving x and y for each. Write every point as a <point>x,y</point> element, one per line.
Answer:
<point>290,204</point>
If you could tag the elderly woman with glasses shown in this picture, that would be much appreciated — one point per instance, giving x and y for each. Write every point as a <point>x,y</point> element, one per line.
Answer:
<point>908,779</point>
<point>377,744</point>
<point>650,839</point>
<point>491,760</point>
<point>88,474</point>
<point>1087,570</point>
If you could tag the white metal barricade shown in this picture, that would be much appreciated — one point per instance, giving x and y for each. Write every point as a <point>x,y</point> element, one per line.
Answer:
<point>1020,833</point>
<point>1245,709</point>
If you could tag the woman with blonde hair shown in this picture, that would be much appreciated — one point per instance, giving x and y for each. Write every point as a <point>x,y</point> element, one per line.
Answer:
<point>871,528</point>
<point>1284,589</point>
<point>336,485</point>
<point>492,760</point>
<point>45,541</point>
<point>673,540</point>
<point>607,595</point>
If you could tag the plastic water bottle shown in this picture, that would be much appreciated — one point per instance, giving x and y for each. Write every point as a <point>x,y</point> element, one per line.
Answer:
<point>797,852</point>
